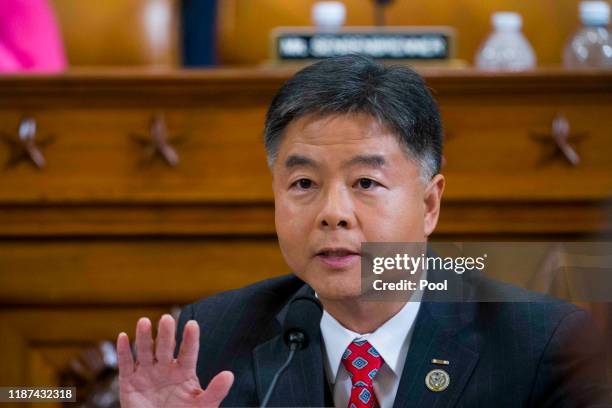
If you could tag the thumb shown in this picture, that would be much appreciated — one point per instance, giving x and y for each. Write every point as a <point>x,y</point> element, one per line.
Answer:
<point>217,389</point>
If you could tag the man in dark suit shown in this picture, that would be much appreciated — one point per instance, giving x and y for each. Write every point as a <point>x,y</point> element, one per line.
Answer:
<point>355,149</point>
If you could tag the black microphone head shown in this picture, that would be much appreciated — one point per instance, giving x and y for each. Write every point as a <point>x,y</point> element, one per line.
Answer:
<point>303,321</point>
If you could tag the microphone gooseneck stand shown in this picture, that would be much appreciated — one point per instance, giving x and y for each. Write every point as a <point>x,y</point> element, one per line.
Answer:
<point>300,328</point>
<point>296,340</point>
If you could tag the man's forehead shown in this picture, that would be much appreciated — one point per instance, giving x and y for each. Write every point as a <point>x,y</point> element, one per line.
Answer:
<point>343,141</point>
<point>338,135</point>
<point>335,128</point>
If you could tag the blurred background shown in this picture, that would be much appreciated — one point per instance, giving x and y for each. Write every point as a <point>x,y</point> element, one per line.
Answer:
<point>133,178</point>
<point>193,33</point>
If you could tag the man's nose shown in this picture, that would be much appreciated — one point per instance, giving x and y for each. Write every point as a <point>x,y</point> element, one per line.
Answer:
<point>337,209</point>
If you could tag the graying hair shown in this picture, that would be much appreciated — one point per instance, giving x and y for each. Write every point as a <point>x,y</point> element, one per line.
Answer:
<point>394,95</point>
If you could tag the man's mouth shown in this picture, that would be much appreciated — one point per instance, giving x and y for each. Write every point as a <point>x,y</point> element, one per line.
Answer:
<point>337,252</point>
<point>338,258</point>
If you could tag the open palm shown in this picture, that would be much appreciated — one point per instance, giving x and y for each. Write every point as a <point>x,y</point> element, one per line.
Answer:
<point>156,378</point>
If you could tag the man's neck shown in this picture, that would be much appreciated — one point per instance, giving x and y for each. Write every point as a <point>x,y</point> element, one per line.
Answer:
<point>362,316</point>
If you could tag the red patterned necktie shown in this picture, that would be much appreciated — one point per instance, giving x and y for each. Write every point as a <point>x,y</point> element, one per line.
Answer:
<point>362,362</point>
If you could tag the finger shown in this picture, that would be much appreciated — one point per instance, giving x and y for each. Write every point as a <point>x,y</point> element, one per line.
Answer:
<point>125,361</point>
<point>188,353</point>
<point>144,342</point>
<point>217,389</point>
<point>164,344</point>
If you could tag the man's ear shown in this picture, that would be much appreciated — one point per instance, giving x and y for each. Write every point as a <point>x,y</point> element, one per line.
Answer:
<point>432,199</point>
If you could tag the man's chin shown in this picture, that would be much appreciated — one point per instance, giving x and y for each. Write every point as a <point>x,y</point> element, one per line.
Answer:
<point>335,286</point>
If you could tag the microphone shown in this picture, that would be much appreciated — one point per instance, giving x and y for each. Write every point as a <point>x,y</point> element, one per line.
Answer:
<point>300,329</point>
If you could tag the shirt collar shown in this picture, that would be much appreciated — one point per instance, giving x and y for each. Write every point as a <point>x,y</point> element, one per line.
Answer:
<point>391,340</point>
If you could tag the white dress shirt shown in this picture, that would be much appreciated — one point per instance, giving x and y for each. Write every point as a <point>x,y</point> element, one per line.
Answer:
<point>391,340</point>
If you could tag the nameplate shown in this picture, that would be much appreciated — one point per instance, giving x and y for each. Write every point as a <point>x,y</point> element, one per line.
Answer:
<point>388,43</point>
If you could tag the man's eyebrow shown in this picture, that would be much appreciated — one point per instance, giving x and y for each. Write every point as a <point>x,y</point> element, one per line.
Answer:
<point>370,160</point>
<point>296,160</point>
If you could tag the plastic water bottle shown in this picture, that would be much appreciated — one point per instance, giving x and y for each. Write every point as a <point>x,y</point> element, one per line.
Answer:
<point>591,46</point>
<point>328,16</point>
<point>506,49</point>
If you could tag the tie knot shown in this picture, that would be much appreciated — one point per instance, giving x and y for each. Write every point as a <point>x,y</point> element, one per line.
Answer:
<point>362,362</point>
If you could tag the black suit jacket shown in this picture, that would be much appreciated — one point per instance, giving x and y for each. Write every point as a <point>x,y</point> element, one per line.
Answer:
<point>536,353</point>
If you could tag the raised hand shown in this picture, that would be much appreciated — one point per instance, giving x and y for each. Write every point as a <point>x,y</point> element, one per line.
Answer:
<point>156,378</point>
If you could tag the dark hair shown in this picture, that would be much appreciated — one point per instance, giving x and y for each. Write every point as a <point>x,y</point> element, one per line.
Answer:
<point>395,95</point>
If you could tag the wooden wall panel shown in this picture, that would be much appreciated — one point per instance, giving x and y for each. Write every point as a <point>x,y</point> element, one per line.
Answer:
<point>137,219</point>
<point>131,271</point>
<point>500,144</point>
<point>105,155</point>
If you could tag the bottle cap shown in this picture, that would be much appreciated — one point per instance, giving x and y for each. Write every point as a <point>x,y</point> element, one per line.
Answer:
<point>506,20</point>
<point>594,13</point>
<point>328,14</point>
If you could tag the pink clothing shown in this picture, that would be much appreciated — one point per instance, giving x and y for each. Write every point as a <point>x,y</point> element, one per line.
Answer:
<point>30,39</point>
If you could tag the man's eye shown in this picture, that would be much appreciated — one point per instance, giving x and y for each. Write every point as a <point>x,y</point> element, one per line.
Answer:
<point>303,183</point>
<point>366,183</point>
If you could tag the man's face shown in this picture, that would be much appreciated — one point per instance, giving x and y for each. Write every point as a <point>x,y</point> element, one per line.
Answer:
<point>339,181</point>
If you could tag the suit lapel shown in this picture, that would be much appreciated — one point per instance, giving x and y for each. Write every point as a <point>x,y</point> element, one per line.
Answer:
<point>444,331</point>
<point>303,382</point>
<point>431,341</point>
